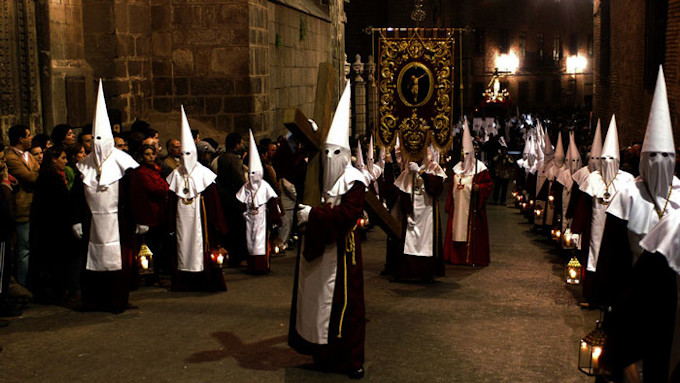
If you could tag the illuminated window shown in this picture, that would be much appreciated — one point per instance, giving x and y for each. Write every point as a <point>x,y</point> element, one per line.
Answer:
<point>556,49</point>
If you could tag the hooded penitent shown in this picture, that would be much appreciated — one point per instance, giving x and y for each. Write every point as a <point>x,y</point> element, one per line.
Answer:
<point>359,164</point>
<point>105,164</point>
<point>190,178</point>
<point>375,170</point>
<point>595,149</point>
<point>609,162</point>
<point>431,163</point>
<point>574,155</point>
<point>467,163</point>
<point>337,154</point>
<point>657,161</point>
<point>255,194</point>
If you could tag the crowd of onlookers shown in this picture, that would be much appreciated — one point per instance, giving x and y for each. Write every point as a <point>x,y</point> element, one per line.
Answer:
<point>43,259</point>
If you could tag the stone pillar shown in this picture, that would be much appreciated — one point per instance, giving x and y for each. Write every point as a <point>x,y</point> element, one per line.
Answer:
<point>371,96</point>
<point>359,98</point>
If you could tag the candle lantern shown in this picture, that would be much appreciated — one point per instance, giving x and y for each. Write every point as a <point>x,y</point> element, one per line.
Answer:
<point>556,234</point>
<point>219,256</point>
<point>145,260</point>
<point>590,351</point>
<point>362,222</point>
<point>570,240</point>
<point>573,272</point>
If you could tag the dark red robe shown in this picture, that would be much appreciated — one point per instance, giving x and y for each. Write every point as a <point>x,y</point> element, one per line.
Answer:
<point>476,251</point>
<point>212,276</point>
<point>332,226</point>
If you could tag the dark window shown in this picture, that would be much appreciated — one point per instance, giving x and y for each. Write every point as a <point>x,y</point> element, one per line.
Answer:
<point>539,46</point>
<point>557,49</point>
<point>479,42</point>
<point>656,13</point>
<point>504,41</point>
<point>573,44</point>
<point>605,46</point>
<point>522,44</point>
<point>590,45</point>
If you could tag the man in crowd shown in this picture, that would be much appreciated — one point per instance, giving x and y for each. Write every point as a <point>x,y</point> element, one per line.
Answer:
<point>230,179</point>
<point>22,166</point>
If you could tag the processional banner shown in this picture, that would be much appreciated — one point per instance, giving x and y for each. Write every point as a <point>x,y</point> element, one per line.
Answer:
<point>415,89</point>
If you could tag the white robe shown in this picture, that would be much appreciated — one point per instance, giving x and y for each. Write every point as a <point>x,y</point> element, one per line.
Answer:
<point>595,187</point>
<point>103,248</point>
<point>418,239</point>
<point>256,224</point>
<point>189,235</point>
<point>634,205</point>
<point>316,279</point>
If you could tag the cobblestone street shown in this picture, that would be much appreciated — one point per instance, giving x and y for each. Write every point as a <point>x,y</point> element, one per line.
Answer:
<point>514,321</point>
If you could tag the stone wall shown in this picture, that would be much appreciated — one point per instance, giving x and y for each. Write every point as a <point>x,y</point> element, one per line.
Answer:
<point>298,42</point>
<point>623,92</point>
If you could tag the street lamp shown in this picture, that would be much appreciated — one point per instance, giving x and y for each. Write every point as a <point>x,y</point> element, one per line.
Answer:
<point>576,64</point>
<point>507,63</point>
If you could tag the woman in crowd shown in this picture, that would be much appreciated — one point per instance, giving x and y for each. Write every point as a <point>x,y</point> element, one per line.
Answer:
<point>62,135</point>
<point>75,153</point>
<point>52,270</point>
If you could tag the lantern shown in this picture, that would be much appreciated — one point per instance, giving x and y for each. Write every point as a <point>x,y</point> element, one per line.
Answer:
<point>362,222</point>
<point>556,234</point>
<point>570,240</point>
<point>573,272</point>
<point>219,256</point>
<point>590,351</point>
<point>145,260</point>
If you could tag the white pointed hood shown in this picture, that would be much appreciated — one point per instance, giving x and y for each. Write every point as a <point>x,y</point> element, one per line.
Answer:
<point>338,134</point>
<point>256,191</point>
<point>105,164</point>
<point>359,163</point>
<point>596,149</point>
<point>255,169</point>
<point>191,177</point>
<point>102,136</point>
<point>468,159</point>
<point>559,151</point>
<point>655,169</point>
<point>609,162</point>
<point>574,155</point>
<point>659,134</point>
<point>338,173</point>
<point>548,150</point>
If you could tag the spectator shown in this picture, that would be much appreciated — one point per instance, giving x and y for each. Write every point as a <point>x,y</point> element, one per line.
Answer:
<point>74,154</point>
<point>62,135</point>
<point>230,178</point>
<point>205,153</point>
<point>37,152</point>
<point>22,166</point>
<point>7,308</point>
<point>54,269</point>
<point>42,140</point>
<point>116,119</point>
<point>120,143</point>
<point>173,160</point>
<point>85,138</point>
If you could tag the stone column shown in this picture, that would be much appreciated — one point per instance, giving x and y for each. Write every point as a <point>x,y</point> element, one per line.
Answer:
<point>359,98</point>
<point>371,95</point>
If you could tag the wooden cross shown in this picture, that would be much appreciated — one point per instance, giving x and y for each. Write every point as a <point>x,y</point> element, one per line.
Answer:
<point>300,126</point>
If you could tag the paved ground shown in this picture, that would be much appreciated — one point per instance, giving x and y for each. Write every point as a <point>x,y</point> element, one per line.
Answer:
<point>514,321</point>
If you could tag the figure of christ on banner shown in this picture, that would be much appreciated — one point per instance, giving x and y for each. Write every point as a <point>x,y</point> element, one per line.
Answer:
<point>415,84</point>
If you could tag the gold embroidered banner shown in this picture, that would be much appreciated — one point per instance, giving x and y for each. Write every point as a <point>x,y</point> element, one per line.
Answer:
<point>415,89</point>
